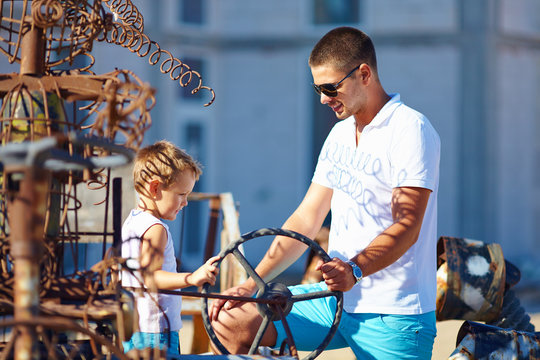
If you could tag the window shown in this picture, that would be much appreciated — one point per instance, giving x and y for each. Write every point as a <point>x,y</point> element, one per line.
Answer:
<point>192,11</point>
<point>335,11</point>
<point>196,213</point>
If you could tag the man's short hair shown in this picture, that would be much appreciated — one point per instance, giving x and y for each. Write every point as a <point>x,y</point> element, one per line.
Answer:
<point>344,48</point>
<point>164,161</point>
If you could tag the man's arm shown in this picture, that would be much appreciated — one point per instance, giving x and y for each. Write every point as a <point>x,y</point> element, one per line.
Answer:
<point>408,208</point>
<point>307,219</point>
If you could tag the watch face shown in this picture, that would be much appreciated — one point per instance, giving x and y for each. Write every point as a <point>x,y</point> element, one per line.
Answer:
<point>357,272</point>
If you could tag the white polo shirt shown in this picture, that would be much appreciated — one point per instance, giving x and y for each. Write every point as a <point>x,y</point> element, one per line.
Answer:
<point>399,148</point>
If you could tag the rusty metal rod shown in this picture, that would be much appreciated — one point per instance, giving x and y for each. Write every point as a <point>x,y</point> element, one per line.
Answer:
<point>28,208</point>
<point>33,51</point>
<point>277,300</point>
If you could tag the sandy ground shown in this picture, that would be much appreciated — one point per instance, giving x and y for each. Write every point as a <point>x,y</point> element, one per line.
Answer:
<point>445,343</point>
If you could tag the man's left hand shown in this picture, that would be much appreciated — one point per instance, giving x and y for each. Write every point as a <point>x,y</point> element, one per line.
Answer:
<point>337,275</point>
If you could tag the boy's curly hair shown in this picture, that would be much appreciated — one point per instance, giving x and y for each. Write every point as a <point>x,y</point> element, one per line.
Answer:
<point>162,160</point>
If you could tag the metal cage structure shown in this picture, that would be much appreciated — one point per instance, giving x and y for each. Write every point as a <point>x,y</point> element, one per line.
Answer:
<point>62,129</point>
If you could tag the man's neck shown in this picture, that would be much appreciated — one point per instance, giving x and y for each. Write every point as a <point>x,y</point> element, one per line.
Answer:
<point>366,117</point>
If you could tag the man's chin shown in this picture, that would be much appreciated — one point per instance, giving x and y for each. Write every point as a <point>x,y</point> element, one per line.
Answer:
<point>341,116</point>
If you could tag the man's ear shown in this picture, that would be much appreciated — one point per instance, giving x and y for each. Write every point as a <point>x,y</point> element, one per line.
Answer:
<point>153,187</point>
<point>365,73</point>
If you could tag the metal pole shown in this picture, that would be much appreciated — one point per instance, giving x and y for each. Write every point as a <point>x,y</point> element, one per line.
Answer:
<point>117,215</point>
<point>32,50</point>
<point>27,213</point>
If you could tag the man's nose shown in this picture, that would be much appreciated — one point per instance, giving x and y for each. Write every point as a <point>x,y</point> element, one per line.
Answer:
<point>325,98</point>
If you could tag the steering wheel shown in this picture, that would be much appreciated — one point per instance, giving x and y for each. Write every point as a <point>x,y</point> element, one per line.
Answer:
<point>274,300</point>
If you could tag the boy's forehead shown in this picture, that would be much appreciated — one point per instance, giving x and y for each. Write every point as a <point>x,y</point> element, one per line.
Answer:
<point>184,178</point>
<point>186,173</point>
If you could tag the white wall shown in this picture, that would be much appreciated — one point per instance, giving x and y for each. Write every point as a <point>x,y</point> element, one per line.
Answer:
<point>517,114</point>
<point>425,76</point>
<point>259,126</point>
<point>258,132</point>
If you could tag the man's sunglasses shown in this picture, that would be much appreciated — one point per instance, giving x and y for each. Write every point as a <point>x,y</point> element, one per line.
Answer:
<point>331,89</point>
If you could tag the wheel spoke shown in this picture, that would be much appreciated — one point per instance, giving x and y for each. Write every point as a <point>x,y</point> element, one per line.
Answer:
<point>289,339</point>
<point>258,338</point>
<point>313,295</point>
<point>249,269</point>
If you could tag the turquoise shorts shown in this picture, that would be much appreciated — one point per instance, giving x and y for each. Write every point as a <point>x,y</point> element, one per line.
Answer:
<point>142,340</point>
<point>370,336</point>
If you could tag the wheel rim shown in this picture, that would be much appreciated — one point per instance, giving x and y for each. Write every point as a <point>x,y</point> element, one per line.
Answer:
<point>270,290</point>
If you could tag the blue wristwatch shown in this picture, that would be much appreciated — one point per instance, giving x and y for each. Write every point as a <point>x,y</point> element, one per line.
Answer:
<point>357,272</point>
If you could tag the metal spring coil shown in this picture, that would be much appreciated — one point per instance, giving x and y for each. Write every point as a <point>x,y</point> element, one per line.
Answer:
<point>127,12</point>
<point>139,43</point>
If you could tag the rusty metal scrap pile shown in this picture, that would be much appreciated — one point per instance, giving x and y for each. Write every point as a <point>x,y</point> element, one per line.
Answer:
<point>53,96</point>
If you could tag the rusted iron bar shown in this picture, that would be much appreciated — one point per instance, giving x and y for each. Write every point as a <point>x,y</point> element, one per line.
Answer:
<point>32,50</point>
<point>106,215</point>
<point>71,87</point>
<point>274,301</point>
<point>117,214</point>
<point>27,213</point>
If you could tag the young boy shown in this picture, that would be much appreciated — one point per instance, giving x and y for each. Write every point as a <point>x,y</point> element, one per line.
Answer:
<point>164,177</point>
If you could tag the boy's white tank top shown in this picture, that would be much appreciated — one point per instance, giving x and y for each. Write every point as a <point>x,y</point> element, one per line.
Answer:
<point>152,318</point>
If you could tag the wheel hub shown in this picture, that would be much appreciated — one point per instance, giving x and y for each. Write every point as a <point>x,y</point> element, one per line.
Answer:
<point>278,292</point>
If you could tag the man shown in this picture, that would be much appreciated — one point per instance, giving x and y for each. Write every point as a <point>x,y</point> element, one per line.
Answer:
<point>378,173</point>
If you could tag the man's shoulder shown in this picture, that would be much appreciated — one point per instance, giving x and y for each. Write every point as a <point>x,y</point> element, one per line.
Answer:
<point>406,116</point>
<point>409,113</point>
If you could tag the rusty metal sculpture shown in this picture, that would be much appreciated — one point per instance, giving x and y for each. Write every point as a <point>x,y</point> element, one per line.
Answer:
<point>50,98</point>
<point>476,341</point>
<point>27,166</point>
<point>59,31</point>
<point>474,283</point>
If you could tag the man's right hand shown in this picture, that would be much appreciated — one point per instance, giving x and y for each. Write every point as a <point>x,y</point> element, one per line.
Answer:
<point>218,304</point>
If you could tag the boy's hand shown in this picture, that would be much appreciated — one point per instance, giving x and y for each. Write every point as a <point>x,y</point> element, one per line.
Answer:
<point>206,273</point>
